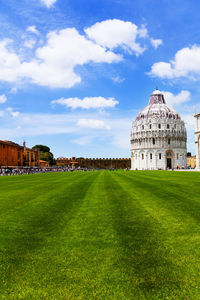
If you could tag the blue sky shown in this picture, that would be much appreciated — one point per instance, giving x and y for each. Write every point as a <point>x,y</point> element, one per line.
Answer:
<point>75,73</point>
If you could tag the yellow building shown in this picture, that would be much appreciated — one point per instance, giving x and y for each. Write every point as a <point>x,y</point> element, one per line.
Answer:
<point>191,161</point>
<point>44,164</point>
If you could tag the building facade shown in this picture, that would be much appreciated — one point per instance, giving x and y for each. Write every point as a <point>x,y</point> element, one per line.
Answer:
<point>11,154</point>
<point>31,157</point>
<point>197,140</point>
<point>95,163</point>
<point>191,162</point>
<point>158,137</point>
<point>14,155</point>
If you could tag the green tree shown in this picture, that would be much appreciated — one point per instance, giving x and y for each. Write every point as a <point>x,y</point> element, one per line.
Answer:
<point>45,154</point>
<point>42,148</point>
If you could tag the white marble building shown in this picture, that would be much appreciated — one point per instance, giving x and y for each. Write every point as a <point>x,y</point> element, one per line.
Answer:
<point>158,137</point>
<point>197,140</point>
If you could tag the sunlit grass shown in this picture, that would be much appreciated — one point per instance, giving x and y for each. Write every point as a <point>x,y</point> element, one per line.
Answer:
<point>100,235</point>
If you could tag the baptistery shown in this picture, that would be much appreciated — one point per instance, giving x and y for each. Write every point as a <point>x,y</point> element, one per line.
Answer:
<point>158,137</point>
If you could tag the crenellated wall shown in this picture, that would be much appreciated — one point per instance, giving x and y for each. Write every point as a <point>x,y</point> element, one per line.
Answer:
<point>95,163</point>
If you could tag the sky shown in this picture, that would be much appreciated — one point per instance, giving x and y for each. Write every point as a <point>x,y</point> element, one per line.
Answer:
<point>74,74</point>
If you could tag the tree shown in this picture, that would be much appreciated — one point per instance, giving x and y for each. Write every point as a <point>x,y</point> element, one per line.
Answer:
<point>42,148</point>
<point>45,154</point>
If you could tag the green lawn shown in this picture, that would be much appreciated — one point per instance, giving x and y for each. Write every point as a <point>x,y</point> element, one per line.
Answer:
<point>100,235</point>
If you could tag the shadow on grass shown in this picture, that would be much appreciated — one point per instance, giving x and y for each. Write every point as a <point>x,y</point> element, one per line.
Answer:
<point>179,198</point>
<point>145,260</point>
<point>34,225</point>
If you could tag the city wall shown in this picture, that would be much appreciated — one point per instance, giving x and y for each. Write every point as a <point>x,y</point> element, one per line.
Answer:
<point>95,163</point>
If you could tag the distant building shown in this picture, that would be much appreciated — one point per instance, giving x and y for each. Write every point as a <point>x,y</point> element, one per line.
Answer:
<point>14,155</point>
<point>197,140</point>
<point>191,162</point>
<point>158,137</point>
<point>31,157</point>
<point>44,164</point>
<point>95,163</point>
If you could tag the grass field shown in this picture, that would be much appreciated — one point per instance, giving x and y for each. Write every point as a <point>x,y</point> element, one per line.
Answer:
<point>100,235</point>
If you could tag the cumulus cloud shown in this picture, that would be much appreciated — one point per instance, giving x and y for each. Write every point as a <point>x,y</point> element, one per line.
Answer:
<point>92,123</point>
<point>87,102</point>
<point>3,99</point>
<point>32,29</point>
<point>116,33</point>
<point>156,42</point>
<point>173,100</point>
<point>48,3</point>
<point>186,63</point>
<point>54,64</point>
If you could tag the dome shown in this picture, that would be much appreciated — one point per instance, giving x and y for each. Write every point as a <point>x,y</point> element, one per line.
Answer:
<point>157,92</point>
<point>158,137</point>
<point>158,108</point>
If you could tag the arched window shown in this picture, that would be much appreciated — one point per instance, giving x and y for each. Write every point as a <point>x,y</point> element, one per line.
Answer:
<point>150,126</point>
<point>159,126</point>
<point>160,156</point>
<point>169,141</point>
<point>167,126</point>
<point>154,141</point>
<point>135,156</point>
<point>177,156</point>
<point>150,155</point>
<point>142,156</point>
<point>142,127</point>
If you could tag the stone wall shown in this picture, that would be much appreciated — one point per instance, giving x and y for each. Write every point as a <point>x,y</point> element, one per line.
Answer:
<point>95,163</point>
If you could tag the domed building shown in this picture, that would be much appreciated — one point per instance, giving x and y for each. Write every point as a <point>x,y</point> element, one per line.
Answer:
<point>158,137</point>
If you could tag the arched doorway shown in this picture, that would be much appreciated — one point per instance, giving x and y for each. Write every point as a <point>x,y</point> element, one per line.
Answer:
<point>169,159</point>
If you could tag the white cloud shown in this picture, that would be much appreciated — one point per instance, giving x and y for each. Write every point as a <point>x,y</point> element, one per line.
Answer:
<point>92,123</point>
<point>185,64</point>
<point>143,32</point>
<point>87,102</point>
<point>118,79</point>
<point>54,63</point>
<point>156,42</point>
<point>2,113</point>
<point>29,43</point>
<point>32,29</point>
<point>14,114</point>
<point>172,100</point>
<point>9,63</point>
<point>116,33</point>
<point>3,99</point>
<point>48,3</point>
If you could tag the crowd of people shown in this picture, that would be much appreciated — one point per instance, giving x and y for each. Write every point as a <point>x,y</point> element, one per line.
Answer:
<point>30,170</point>
<point>9,171</point>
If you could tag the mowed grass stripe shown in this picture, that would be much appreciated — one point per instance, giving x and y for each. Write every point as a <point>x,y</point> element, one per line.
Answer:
<point>148,269</point>
<point>19,190</point>
<point>28,233</point>
<point>175,215</point>
<point>100,235</point>
<point>181,201</point>
<point>89,248</point>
